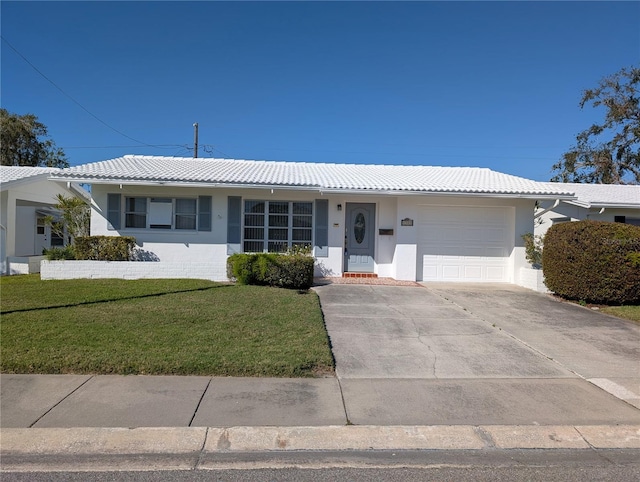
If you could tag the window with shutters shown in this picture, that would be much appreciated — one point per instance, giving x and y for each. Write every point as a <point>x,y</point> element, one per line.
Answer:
<point>165,213</point>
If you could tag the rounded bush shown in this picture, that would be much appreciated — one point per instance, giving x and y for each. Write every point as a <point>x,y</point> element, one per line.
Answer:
<point>104,248</point>
<point>294,271</point>
<point>593,261</point>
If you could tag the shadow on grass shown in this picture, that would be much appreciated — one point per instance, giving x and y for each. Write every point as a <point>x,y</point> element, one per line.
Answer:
<point>93,302</point>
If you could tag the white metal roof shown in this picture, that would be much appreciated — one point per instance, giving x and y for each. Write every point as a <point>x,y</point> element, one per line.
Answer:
<point>17,173</point>
<point>13,176</point>
<point>605,195</point>
<point>133,169</point>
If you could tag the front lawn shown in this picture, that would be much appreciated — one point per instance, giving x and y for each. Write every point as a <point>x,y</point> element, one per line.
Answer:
<point>627,312</point>
<point>177,327</point>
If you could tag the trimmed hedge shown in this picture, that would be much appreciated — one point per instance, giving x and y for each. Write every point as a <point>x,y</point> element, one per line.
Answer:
<point>104,248</point>
<point>593,261</point>
<point>294,271</point>
<point>60,253</point>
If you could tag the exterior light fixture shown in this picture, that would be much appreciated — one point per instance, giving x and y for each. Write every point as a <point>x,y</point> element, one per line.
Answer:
<point>339,207</point>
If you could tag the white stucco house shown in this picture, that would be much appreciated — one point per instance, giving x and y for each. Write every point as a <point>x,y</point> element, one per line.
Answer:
<point>26,198</point>
<point>599,202</point>
<point>404,222</point>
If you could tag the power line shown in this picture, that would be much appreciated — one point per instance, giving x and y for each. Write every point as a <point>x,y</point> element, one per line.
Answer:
<point>171,146</point>
<point>74,100</point>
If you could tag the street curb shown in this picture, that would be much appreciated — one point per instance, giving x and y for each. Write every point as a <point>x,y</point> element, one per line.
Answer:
<point>203,440</point>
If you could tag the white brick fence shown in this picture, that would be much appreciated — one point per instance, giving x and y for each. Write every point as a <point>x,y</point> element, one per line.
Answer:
<point>132,270</point>
<point>533,279</point>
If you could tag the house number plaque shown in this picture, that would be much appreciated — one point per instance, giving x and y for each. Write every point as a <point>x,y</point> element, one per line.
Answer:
<point>406,222</point>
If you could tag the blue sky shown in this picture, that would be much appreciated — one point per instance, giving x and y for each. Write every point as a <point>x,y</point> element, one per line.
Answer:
<point>486,84</point>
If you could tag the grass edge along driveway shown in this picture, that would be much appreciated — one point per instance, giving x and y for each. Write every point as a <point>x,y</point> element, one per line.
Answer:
<point>160,327</point>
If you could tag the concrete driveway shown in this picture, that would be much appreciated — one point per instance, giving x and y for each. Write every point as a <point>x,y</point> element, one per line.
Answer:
<point>496,353</point>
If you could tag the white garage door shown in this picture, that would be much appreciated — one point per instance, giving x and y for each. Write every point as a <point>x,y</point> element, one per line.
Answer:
<point>460,243</point>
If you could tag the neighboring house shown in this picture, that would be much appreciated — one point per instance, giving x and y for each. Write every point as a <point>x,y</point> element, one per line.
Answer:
<point>599,202</point>
<point>26,198</point>
<point>404,222</point>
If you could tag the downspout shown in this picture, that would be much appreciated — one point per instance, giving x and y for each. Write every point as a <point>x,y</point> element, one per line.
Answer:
<point>555,205</point>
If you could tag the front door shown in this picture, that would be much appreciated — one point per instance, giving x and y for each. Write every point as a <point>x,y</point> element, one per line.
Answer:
<point>46,238</point>
<point>43,235</point>
<point>359,237</point>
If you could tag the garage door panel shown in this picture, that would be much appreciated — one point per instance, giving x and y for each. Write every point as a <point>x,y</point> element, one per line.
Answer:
<point>472,251</point>
<point>450,272</point>
<point>430,271</point>
<point>473,272</point>
<point>465,243</point>
<point>470,235</point>
<point>496,273</point>
<point>493,235</point>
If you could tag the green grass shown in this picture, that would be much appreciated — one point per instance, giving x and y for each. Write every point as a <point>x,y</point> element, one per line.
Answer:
<point>178,327</point>
<point>627,312</point>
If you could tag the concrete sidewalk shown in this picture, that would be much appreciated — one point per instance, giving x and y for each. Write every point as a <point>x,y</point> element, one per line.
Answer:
<point>68,401</point>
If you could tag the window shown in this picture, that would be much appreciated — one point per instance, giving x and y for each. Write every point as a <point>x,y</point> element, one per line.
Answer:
<point>56,240</point>
<point>160,210</point>
<point>275,226</point>
<point>135,213</point>
<point>186,213</point>
<point>166,213</point>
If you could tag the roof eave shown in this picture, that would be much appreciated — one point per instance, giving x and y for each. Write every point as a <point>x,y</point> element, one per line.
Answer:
<point>315,188</point>
<point>23,180</point>
<point>600,205</point>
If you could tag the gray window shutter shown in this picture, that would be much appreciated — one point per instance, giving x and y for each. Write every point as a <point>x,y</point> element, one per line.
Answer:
<point>234,220</point>
<point>204,213</point>
<point>322,228</point>
<point>113,211</point>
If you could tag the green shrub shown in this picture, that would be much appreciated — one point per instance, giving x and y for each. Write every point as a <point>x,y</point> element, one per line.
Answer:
<point>63,253</point>
<point>593,261</point>
<point>240,268</point>
<point>533,249</point>
<point>294,271</point>
<point>290,271</point>
<point>104,248</point>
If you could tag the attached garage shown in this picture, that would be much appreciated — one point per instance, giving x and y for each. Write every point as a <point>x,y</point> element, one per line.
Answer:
<point>465,243</point>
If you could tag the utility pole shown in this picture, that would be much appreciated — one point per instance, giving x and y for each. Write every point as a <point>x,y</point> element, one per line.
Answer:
<point>195,140</point>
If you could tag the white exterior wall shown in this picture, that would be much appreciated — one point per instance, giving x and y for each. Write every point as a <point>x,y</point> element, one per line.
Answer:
<point>208,247</point>
<point>521,213</point>
<point>523,224</point>
<point>384,244</point>
<point>25,231</point>
<point>18,203</point>
<point>532,279</point>
<point>4,195</point>
<point>406,249</point>
<point>577,213</point>
<point>395,254</point>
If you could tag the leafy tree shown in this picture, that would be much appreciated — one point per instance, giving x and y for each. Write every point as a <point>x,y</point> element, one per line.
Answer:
<point>75,217</point>
<point>608,152</point>
<point>24,141</point>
